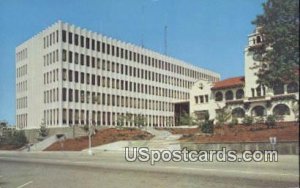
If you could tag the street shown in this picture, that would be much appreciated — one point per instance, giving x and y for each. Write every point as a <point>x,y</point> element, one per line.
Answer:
<point>110,170</point>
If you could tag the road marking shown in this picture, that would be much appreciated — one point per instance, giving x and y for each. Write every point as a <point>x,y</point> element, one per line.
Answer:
<point>25,184</point>
<point>233,171</point>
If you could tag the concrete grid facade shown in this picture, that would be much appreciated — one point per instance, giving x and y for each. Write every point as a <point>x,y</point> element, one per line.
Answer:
<point>67,75</point>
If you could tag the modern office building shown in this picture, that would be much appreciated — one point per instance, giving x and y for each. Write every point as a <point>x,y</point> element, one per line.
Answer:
<point>243,96</point>
<point>66,75</point>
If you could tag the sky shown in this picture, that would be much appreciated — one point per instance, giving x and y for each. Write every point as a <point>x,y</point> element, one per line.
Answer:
<point>208,33</point>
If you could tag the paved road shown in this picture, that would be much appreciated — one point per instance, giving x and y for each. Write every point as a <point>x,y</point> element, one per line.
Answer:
<point>110,170</point>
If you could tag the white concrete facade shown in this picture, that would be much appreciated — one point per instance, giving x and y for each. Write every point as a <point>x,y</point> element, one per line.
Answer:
<point>244,96</point>
<point>68,76</point>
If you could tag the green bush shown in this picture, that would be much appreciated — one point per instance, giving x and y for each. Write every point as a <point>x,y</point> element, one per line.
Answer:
<point>248,120</point>
<point>233,122</point>
<point>17,139</point>
<point>207,126</point>
<point>271,121</point>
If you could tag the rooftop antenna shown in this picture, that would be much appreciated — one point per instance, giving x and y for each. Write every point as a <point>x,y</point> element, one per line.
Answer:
<point>143,22</point>
<point>165,39</point>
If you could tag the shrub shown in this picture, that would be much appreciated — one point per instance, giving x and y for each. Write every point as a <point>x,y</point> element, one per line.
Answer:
<point>271,121</point>
<point>43,132</point>
<point>233,122</point>
<point>248,120</point>
<point>207,126</point>
<point>18,139</point>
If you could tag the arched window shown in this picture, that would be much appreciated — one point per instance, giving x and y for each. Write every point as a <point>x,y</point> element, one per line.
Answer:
<point>258,111</point>
<point>219,96</point>
<point>281,109</point>
<point>229,95</point>
<point>292,87</point>
<point>258,39</point>
<point>238,113</point>
<point>239,94</point>
<point>278,88</point>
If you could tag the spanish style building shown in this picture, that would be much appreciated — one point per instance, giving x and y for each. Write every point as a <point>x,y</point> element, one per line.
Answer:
<point>66,76</point>
<point>244,96</point>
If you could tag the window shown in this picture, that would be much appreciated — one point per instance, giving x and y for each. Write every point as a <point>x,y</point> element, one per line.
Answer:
<point>82,41</point>
<point>98,46</point>
<point>70,57</point>
<point>76,40</point>
<point>87,43</point>
<point>278,88</point>
<point>64,94</point>
<point>239,94</point>
<point>281,109</point>
<point>292,87</point>
<point>93,44</point>
<point>76,58</point>
<point>64,35</point>
<point>238,113</point>
<point>64,55</point>
<point>229,95</point>
<point>219,96</point>
<point>70,38</point>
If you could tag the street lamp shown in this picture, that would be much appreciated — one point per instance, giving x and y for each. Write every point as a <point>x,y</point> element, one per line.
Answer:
<point>90,152</point>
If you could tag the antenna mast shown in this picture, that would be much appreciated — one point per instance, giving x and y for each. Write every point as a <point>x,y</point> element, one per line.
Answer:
<point>165,39</point>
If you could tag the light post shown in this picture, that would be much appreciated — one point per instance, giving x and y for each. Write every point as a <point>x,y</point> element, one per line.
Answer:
<point>90,152</point>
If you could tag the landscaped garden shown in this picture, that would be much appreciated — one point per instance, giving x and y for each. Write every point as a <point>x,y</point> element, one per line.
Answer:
<point>101,137</point>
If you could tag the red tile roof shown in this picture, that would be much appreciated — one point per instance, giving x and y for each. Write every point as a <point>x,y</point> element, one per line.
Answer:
<point>229,83</point>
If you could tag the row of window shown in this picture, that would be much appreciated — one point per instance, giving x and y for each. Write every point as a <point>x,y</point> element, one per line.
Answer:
<point>21,86</point>
<point>21,103</point>
<point>51,76</point>
<point>76,117</point>
<point>51,39</point>
<point>51,57</point>
<point>116,51</point>
<point>21,55</point>
<point>21,71</point>
<point>239,94</point>
<point>113,100</point>
<point>21,121</point>
<point>201,99</point>
<point>124,69</point>
<point>51,95</point>
<point>122,84</point>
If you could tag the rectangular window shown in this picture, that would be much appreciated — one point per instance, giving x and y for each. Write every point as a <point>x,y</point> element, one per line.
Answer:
<point>70,57</point>
<point>76,58</point>
<point>87,61</point>
<point>87,43</point>
<point>98,46</point>
<point>93,44</point>
<point>103,47</point>
<point>64,35</point>
<point>64,55</point>
<point>81,59</point>
<point>76,39</point>
<point>70,38</point>
<point>82,41</point>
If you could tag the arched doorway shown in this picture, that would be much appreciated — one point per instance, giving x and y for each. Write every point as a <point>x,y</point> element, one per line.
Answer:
<point>281,109</point>
<point>258,111</point>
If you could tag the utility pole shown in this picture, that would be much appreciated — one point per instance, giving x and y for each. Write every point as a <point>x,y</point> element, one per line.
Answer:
<point>90,152</point>
<point>166,40</point>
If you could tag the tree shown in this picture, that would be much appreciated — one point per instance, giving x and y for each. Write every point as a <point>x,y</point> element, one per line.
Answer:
<point>223,115</point>
<point>139,121</point>
<point>279,51</point>
<point>208,125</point>
<point>43,131</point>
<point>186,119</point>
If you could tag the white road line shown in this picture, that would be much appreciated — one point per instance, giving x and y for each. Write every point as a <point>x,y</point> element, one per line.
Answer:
<point>25,184</point>
<point>233,171</point>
